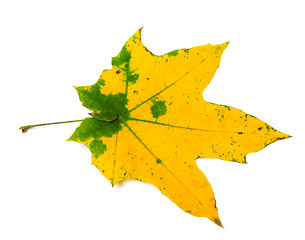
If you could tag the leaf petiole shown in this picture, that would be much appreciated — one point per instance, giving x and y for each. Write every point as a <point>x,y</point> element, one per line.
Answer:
<point>24,129</point>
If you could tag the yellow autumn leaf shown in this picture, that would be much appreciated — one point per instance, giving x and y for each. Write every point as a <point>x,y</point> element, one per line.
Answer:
<point>150,123</point>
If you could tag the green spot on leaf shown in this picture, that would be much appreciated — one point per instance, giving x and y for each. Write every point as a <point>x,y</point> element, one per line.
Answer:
<point>158,108</point>
<point>97,147</point>
<point>173,53</point>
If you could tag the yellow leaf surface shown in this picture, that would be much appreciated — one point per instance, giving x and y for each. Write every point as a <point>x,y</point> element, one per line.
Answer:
<point>150,123</point>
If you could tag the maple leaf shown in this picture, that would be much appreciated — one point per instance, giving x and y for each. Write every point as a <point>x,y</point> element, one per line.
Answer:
<point>149,122</point>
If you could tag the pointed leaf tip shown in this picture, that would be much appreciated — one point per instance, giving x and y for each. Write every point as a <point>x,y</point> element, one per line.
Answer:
<point>218,222</point>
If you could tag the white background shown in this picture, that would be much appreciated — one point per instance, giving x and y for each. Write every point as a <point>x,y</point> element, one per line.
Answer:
<point>48,187</point>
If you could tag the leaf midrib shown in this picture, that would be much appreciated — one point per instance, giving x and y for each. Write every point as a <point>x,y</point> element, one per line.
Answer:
<point>189,128</point>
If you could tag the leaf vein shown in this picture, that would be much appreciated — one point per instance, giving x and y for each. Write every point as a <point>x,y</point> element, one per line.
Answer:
<point>188,128</point>
<point>167,87</point>
<point>162,164</point>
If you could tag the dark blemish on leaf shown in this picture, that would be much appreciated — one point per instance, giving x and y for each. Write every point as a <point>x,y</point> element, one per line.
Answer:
<point>240,132</point>
<point>215,203</point>
<point>118,72</point>
<point>252,116</point>
<point>229,108</point>
<point>268,128</point>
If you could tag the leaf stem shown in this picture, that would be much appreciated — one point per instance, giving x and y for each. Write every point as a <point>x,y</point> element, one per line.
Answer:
<point>27,127</point>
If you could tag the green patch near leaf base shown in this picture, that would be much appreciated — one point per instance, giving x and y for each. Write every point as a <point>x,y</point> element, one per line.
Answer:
<point>112,108</point>
<point>96,129</point>
<point>106,108</point>
<point>108,111</point>
<point>158,108</point>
